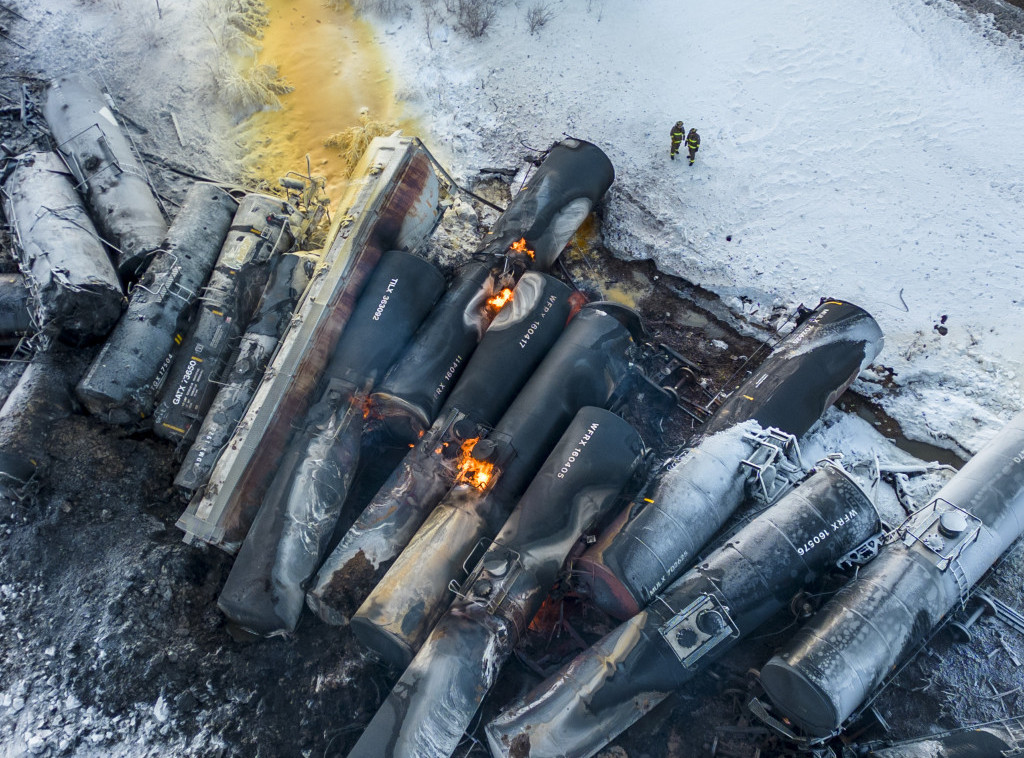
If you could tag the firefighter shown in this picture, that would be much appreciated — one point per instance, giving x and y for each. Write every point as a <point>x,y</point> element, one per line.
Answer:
<point>693,144</point>
<point>677,139</point>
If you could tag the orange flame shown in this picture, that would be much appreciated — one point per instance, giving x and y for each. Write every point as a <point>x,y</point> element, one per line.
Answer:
<point>471,471</point>
<point>498,301</point>
<point>521,248</point>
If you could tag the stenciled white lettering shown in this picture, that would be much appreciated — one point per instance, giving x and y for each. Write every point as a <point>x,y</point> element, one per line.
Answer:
<point>384,300</point>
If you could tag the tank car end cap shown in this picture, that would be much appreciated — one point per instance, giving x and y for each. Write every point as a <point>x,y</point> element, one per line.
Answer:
<point>392,649</point>
<point>597,582</point>
<point>799,699</point>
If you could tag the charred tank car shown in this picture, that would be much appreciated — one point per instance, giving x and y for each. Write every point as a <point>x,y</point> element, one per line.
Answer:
<point>436,698</point>
<point>752,575</point>
<point>749,437</point>
<point>820,678</point>
<point>264,593</point>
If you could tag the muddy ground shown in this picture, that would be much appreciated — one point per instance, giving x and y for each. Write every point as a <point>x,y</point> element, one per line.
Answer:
<point>111,643</point>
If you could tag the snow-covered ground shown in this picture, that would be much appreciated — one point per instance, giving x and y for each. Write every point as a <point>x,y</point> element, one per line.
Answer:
<point>871,151</point>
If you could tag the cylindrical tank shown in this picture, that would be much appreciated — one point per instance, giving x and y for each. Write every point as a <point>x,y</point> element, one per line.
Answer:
<point>41,397</point>
<point>15,308</point>
<point>409,397</point>
<point>435,700</point>
<point>589,365</point>
<point>658,535</point>
<point>264,593</point>
<point>259,232</point>
<point>831,665</point>
<point>752,576</point>
<point>73,282</point>
<point>511,349</point>
<point>288,279</point>
<point>557,198</point>
<point>121,384</point>
<point>101,157</point>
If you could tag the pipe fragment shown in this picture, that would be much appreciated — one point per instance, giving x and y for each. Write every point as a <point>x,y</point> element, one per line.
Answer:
<point>820,678</point>
<point>589,365</point>
<point>288,279</point>
<point>512,347</point>
<point>121,385</point>
<point>752,576</point>
<point>105,165</point>
<point>653,540</point>
<point>436,698</point>
<point>75,287</point>
<point>259,232</point>
<point>264,592</point>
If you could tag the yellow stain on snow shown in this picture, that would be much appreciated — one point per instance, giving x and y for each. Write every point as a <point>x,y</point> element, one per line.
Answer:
<point>330,58</point>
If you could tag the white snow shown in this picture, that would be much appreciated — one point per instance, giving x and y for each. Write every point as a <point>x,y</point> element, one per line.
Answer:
<point>870,151</point>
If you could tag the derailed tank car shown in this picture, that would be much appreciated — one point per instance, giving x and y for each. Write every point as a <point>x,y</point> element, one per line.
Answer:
<point>820,678</point>
<point>589,365</point>
<point>122,383</point>
<point>77,293</point>
<point>439,693</point>
<point>751,576</point>
<point>103,161</point>
<point>659,534</point>
<point>260,232</point>
<point>264,593</point>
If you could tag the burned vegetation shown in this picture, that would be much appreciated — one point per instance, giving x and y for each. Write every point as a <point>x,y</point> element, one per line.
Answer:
<point>427,460</point>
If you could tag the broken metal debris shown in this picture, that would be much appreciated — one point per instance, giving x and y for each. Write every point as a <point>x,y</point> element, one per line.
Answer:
<point>820,678</point>
<point>105,164</point>
<point>436,698</point>
<point>738,586</point>
<point>659,534</point>
<point>75,288</point>
<point>122,384</point>
<point>588,365</point>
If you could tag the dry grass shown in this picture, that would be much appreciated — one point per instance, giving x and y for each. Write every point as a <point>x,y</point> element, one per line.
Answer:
<point>352,142</point>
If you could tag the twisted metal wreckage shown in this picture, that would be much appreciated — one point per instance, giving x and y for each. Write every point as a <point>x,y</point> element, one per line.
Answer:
<point>278,369</point>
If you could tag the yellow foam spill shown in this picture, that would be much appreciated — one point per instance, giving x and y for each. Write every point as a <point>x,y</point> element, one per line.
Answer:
<point>337,70</point>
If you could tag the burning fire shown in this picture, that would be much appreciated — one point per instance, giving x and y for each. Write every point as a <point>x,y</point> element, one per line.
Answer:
<point>498,301</point>
<point>471,471</point>
<point>521,248</point>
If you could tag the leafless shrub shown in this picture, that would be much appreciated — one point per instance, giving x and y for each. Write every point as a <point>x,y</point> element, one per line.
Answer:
<point>353,141</point>
<point>537,15</point>
<point>252,87</point>
<point>473,17</point>
<point>250,16</point>
<point>382,8</point>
